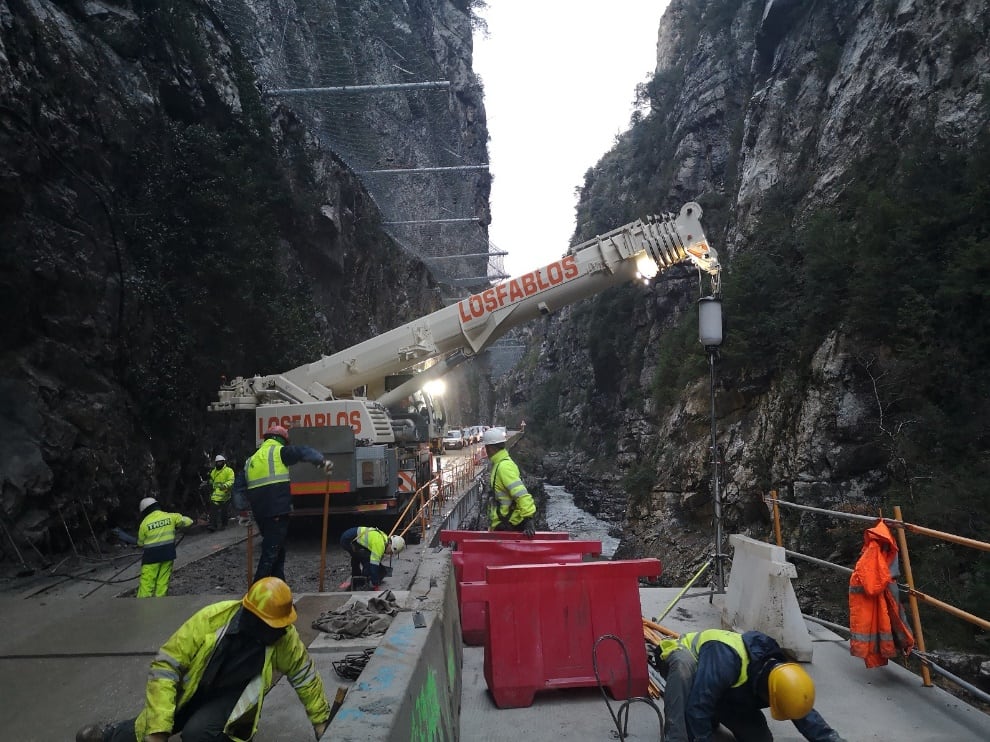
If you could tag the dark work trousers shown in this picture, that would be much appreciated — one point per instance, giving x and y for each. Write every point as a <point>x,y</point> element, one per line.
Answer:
<point>204,723</point>
<point>219,514</point>
<point>274,531</point>
<point>748,725</point>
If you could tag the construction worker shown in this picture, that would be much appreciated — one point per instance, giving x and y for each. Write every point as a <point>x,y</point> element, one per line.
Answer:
<point>267,475</point>
<point>222,482</point>
<point>210,678</point>
<point>367,546</point>
<point>156,535</point>
<point>723,677</point>
<point>512,507</point>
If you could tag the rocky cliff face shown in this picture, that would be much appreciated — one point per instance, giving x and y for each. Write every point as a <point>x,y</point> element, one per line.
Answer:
<point>764,112</point>
<point>164,224</point>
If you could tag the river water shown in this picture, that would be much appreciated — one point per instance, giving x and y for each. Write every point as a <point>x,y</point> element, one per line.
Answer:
<point>564,515</point>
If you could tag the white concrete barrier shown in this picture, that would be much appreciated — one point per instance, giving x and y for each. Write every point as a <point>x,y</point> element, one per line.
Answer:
<point>760,596</point>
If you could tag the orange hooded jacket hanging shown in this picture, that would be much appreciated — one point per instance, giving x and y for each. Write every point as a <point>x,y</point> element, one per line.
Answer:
<point>876,619</point>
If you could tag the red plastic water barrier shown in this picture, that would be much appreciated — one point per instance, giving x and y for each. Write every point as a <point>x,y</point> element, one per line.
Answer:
<point>544,619</point>
<point>475,556</point>
<point>456,538</point>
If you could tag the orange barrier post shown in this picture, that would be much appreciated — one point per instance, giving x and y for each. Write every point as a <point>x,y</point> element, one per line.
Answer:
<point>913,602</point>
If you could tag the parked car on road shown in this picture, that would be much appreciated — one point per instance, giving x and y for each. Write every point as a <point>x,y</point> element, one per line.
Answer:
<point>453,439</point>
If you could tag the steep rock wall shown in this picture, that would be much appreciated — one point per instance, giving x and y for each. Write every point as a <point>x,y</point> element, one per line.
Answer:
<point>760,110</point>
<point>164,224</point>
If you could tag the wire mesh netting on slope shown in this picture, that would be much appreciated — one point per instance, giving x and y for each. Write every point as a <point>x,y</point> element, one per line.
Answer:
<point>391,94</point>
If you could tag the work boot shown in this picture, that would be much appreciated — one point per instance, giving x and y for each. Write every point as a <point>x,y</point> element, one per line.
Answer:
<point>93,732</point>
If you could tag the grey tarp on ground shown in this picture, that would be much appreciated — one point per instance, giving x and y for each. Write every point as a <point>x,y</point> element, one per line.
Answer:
<point>359,619</point>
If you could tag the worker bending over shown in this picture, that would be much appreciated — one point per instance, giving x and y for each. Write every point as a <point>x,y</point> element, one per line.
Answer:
<point>512,507</point>
<point>210,678</point>
<point>367,546</point>
<point>723,677</point>
<point>156,536</point>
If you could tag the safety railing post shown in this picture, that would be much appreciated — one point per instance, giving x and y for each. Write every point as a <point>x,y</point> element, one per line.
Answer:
<point>776,518</point>
<point>912,601</point>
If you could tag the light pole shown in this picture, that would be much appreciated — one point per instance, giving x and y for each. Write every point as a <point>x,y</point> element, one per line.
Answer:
<point>710,335</point>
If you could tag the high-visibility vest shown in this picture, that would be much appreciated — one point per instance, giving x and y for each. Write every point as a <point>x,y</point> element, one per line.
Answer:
<point>156,535</point>
<point>222,480</point>
<point>178,668</point>
<point>511,501</point>
<point>374,540</point>
<point>693,642</point>
<point>264,467</point>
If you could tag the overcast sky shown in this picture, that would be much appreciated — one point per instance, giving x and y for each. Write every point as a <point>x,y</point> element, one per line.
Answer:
<point>560,78</point>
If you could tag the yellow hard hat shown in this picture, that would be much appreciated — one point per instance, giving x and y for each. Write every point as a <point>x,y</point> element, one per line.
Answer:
<point>791,691</point>
<point>270,599</point>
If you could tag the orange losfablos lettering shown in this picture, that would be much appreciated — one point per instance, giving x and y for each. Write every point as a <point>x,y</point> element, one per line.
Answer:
<point>511,291</point>
<point>317,420</point>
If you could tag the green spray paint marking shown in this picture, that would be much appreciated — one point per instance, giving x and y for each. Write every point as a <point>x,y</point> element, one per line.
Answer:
<point>426,715</point>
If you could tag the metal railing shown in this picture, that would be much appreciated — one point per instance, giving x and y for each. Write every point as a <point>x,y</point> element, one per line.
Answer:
<point>900,527</point>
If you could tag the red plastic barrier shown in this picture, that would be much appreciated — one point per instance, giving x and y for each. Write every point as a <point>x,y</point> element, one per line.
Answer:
<point>544,619</point>
<point>475,556</point>
<point>458,537</point>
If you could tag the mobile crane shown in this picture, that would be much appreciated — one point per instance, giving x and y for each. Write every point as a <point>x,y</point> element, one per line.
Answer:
<point>367,407</point>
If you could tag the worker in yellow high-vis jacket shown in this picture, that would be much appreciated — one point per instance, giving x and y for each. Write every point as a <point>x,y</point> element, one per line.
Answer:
<point>221,484</point>
<point>156,535</point>
<point>209,680</point>
<point>512,507</point>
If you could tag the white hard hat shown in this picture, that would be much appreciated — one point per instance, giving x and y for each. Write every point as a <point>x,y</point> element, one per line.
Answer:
<point>146,503</point>
<point>493,435</point>
<point>397,544</point>
<point>219,458</point>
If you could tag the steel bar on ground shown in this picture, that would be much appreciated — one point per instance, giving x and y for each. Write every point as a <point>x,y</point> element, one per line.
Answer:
<point>680,595</point>
<point>955,679</point>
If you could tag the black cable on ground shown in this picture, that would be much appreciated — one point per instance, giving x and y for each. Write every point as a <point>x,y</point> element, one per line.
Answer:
<point>621,718</point>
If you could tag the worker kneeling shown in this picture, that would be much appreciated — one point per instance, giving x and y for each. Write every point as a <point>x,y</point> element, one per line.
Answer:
<point>210,678</point>
<point>367,546</point>
<point>723,677</point>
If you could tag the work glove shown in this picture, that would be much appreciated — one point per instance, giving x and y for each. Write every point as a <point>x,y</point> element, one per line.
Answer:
<point>320,728</point>
<point>327,467</point>
<point>529,528</point>
<point>157,737</point>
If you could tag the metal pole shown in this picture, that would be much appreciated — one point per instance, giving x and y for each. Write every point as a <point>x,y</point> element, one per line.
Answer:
<point>347,89</point>
<point>409,170</point>
<point>323,538</point>
<point>250,552</point>
<point>719,586</point>
<point>776,518</point>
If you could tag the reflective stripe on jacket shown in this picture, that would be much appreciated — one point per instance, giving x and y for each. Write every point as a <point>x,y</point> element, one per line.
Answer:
<point>156,535</point>
<point>513,503</point>
<point>693,642</point>
<point>876,618</point>
<point>265,466</point>
<point>267,478</point>
<point>223,481</point>
<point>374,541</point>
<point>176,672</point>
